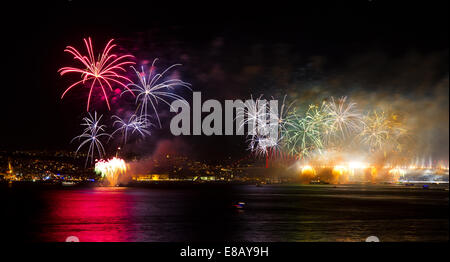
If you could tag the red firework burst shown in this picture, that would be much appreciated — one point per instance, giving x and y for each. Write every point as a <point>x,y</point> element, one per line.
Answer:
<point>101,72</point>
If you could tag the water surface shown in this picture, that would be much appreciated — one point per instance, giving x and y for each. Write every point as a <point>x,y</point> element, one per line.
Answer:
<point>206,213</point>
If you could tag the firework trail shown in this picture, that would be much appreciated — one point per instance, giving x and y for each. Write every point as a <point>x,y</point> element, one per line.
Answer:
<point>134,124</point>
<point>375,133</point>
<point>381,131</point>
<point>111,169</point>
<point>286,113</point>
<point>102,72</point>
<point>260,145</point>
<point>342,117</point>
<point>322,126</point>
<point>305,134</point>
<point>254,115</point>
<point>91,135</point>
<point>261,119</point>
<point>281,124</point>
<point>150,90</point>
<point>266,126</point>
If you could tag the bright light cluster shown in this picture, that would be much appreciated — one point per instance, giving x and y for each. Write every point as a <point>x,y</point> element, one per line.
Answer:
<point>111,169</point>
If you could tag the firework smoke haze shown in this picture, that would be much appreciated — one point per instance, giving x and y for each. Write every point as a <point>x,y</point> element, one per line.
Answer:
<point>395,63</point>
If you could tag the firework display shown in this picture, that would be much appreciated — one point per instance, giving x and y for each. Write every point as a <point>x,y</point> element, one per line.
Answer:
<point>381,130</point>
<point>331,134</point>
<point>151,89</point>
<point>237,123</point>
<point>306,134</point>
<point>254,115</point>
<point>111,169</point>
<point>92,135</point>
<point>337,125</point>
<point>334,125</point>
<point>344,120</point>
<point>264,124</point>
<point>134,124</point>
<point>324,134</point>
<point>102,72</point>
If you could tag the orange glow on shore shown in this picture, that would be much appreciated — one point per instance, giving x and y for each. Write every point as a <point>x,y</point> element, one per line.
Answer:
<point>356,171</point>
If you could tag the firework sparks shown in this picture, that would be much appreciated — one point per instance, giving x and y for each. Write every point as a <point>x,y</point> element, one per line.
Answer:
<point>286,113</point>
<point>382,131</point>
<point>150,90</point>
<point>261,119</point>
<point>134,124</point>
<point>376,130</point>
<point>342,117</point>
<point>111,169</point>
<point>253,114</point>
<point>305,134</point>
<point>261,145</point>
<point>92,134</point>
<point>102,72</point>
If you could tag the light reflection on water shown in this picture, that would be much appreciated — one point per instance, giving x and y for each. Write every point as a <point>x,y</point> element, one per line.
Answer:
<point>272,213</point>
<point>94,215</point>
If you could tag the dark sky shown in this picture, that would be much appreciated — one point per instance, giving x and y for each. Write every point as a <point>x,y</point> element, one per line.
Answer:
<point>219,45</point>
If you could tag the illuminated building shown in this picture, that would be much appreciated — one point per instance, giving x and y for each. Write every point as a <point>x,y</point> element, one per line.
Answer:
<point>150,177</point>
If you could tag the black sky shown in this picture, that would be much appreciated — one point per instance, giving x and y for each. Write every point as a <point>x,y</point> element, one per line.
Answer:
<point>229,35</point>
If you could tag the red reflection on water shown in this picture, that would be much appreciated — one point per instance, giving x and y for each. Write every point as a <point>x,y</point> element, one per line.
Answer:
<point>101,214</point>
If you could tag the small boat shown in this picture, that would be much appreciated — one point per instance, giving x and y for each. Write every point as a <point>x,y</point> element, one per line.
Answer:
<point>68,183</point>
<point>239,205</point>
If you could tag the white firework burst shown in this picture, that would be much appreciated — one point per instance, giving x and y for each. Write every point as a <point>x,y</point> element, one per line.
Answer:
<point>262,120</point>
<point>342,117</point>
<point>92,135</point>
<point>152,89</point>
<point>134,124</point>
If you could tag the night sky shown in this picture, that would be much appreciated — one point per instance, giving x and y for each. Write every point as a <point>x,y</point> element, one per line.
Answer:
<point>229,51</point>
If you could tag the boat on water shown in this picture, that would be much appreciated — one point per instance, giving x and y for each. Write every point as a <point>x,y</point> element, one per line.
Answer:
<point>239,205</point>
<point>68,183</point>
